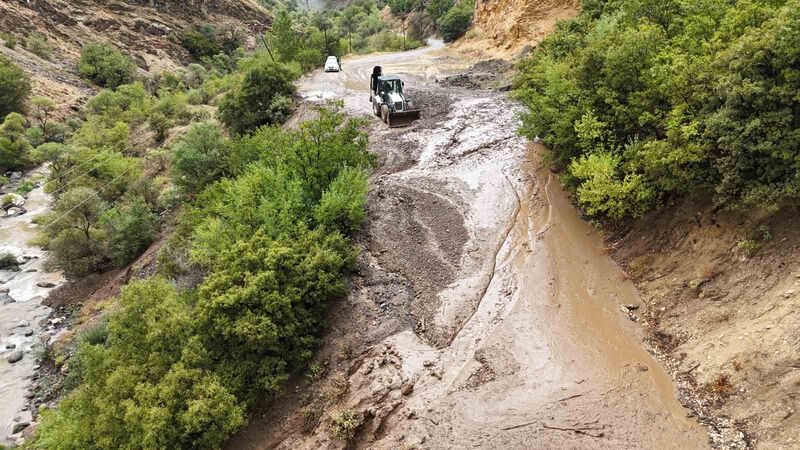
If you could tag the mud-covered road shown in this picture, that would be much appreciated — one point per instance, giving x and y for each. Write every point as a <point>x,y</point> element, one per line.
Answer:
<point>485,312</point>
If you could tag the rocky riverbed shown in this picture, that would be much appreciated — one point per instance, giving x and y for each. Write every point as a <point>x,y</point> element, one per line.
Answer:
<point>26,325</point>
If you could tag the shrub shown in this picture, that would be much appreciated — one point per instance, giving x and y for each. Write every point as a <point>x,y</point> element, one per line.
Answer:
<point>688,99</point>
<point>438,8</point>
<point>106,66</point>
<point>603,192</point>
<point>14,87</point>
<point>201,41</point>
<point>146,388</point>
<point>171,109</point>
<point>456,21</point>
<point>14,146</point>
<point>9,40</point>
<point>198,158</point>
<point>37,44</point>
<point>345,424</point>
<point>129,230</point>
<point>262,97</point>
<point>342,205</point>
<point>178,369</point>
<point>71,229</point>
<point>8,262</point>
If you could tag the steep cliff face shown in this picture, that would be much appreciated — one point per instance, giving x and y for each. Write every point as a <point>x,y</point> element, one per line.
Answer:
<point>148,30</point>
<point>507,26</point>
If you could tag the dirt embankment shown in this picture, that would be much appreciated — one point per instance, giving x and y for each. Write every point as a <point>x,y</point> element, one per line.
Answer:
<point>722,300</point>
<point>149,34</point>
<point>508,28</point>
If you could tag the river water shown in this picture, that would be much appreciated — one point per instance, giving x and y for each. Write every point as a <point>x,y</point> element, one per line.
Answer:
<point>20,326</point>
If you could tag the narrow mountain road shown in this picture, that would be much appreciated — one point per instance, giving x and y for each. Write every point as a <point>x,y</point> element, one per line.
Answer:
<point>485,313</point>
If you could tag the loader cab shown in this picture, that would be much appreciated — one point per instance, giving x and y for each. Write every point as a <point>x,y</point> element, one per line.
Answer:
<point>389,84</point>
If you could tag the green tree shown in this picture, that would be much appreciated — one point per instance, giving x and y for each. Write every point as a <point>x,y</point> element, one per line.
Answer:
<point>262,97</point>
<point>129,229</point>
<point>14,146</point>
<point>283,39</point>
<point>456,21</point>
<point>73,237</point>
<point>103,64</point>
<point>198,158</point>
<point>438,8</point>
<point>14,87</point>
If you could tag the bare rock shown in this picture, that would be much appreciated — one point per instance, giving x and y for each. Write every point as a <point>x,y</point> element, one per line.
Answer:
<point>14,357</point>
<point>18,427</point>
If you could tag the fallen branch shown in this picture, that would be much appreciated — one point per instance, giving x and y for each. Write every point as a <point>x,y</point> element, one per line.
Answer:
<point>577,430</point>
<point>513,427</point>
<point>569,398</point>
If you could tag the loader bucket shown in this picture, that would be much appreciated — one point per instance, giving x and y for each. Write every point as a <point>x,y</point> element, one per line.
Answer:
<point>403,118</point>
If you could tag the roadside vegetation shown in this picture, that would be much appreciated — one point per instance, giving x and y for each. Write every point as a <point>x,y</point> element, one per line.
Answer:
<point>646,101</point>
<point>262,221</point>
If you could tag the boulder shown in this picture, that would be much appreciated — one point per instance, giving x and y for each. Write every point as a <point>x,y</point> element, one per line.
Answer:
<point>14,357</point>
<point>18,427</point>
<point>12,200</point>
<point>45,284</point>
<point>5,299</point>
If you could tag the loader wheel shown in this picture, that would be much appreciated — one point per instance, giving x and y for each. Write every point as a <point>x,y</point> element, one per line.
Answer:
<point>376,109</point>
<point>385,114</point>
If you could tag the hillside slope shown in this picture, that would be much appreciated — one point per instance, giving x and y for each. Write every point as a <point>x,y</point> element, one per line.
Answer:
<point>503,28</point>
<point>150,35</point>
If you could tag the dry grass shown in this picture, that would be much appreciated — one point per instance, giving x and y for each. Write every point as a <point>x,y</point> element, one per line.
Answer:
<point>720,386</point>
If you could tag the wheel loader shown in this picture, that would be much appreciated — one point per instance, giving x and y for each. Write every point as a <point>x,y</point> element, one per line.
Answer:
<point>388,101</point>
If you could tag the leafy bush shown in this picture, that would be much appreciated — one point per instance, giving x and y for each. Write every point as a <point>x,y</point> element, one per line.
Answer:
<point>201,41</point>
<point>438,8</point>
<point>205,41</point>
<point>198,158</point>
<point>345,424</point>
<point>9,40</point>
<point>262,97</point>
<point>37,44</point>
<point>14,146</point>
<point>684,98</point>
<point>14,87</point>
<point>8,262</point>
<point>456,21</point>
<point>129,230</point>
<point>74,239</point>
<point>106,66</point>
<point>342,204</point>
<point>179,369</point>
<point>146,387</point>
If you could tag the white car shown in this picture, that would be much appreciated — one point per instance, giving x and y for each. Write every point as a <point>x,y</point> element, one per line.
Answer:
<point>332,64</point>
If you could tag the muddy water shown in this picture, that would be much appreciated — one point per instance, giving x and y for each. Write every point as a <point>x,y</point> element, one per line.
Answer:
<point>591,291</point>
<point>25,314</point>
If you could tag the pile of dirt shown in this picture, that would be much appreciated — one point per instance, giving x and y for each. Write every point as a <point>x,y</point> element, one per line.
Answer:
<point>147,30</point>
<point>722,295</point>
<point>504,28</point>
<point>494,74</point>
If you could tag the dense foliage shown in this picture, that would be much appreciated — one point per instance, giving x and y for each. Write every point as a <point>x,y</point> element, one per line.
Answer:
<point>15,149</point>
<point>648,100</point>
<point>261,97</point>
<point>106,66</point>
<point>455,22</point>
<point>180,368</point>
<point>14,87</point>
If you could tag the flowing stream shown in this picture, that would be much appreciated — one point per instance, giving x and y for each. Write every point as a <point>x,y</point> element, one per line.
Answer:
<point>23,324</point>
